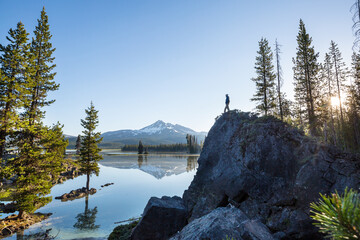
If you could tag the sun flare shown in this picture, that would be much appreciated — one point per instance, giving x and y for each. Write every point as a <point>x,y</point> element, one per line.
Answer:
<point>335,102</point>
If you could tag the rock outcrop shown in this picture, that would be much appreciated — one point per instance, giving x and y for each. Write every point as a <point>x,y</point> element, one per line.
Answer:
<point>224,223</point>
<point>268,170</point>
<point>161,219</point>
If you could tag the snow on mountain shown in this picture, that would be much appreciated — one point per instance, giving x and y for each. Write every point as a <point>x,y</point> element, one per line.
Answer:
<point>156,133</point>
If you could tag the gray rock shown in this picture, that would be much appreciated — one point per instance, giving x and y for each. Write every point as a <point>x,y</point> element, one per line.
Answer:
<point>161,219</point>
<point>224,223</point>
<point>269,170</point>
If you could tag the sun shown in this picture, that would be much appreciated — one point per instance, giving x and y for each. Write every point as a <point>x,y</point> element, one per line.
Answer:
<point>335,102</point>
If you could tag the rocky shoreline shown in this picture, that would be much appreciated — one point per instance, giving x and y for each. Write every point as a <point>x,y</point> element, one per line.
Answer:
<point>255,181</point>
<point>13,224</point>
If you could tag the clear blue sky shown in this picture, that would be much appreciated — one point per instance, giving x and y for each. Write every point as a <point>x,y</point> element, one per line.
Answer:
<point>141,61</point>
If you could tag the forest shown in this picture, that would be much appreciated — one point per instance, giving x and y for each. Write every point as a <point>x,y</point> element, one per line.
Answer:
<point>326,104</point>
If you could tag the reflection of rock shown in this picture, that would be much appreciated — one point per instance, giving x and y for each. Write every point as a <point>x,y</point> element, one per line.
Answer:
<point>156,165</point>
<point>107,184</point>
<point>86,220</point>
<point>75,194</point>
<point>161,219</point>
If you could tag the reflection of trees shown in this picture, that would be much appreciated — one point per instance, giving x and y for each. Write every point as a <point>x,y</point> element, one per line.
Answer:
<point>140,160</point>
<point>191,163</point>
<point>43,235</point>
<point>86,220</point>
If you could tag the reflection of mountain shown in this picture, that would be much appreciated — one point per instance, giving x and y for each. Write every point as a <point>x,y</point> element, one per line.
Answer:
<point>155,165</point>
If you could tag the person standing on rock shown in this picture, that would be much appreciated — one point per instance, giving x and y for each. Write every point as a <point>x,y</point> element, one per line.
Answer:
<point>227,102</point>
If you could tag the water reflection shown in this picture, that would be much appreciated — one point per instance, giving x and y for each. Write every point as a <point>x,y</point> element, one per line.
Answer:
<point>140,160</point>
<point>158,166</point>
<point>191,163</point>
<point>44,235</point>
<point>86,220</point>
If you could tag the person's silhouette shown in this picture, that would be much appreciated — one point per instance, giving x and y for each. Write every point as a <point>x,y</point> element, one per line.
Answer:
<point>227,102</point>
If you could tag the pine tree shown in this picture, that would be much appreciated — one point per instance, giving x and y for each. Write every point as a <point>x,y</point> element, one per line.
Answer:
<point>89,152</point>
<point>279,80</point>
<point>40,149</point>
<point>42,79</point>
<point>78,145</point>
<point>140,148</point>
<point>339,71</point>
<point>37,164</point>
<point>265,80</point>
<point>13,80</point>
<point>305,73</point>
<point>355,8</point>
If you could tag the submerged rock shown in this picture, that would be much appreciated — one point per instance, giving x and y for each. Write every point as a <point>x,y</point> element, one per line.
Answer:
<point>267,169</point>
<point>162,218</point>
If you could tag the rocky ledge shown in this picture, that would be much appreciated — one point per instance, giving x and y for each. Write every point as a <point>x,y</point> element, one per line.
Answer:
<point>75,194</point>
<point>13,224</point>
<point>256,180</point>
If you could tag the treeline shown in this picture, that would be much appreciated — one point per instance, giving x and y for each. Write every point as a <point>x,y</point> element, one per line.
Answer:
<point>327,94</point>
<point>192,144</point>
<point>178,147</point>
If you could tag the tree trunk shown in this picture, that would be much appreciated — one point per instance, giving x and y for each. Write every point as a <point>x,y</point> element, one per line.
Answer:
<point>87,181</point>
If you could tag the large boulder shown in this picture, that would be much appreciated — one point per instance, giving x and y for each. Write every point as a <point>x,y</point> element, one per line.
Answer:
<point>269,170</point>
<point>162,218</point>
<point>224,223</point>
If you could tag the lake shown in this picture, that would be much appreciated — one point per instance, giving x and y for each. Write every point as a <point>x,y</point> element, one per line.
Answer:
<point>136,179</point>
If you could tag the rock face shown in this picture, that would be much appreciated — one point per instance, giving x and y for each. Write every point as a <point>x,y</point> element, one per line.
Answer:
<point>222,223</point>
<point>268,170</point>
<point>161,219</point>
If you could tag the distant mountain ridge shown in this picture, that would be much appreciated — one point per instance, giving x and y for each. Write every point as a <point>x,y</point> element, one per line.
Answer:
<point>154,134</point>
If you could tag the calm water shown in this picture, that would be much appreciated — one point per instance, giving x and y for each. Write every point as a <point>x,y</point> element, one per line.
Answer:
<point>135,179</point>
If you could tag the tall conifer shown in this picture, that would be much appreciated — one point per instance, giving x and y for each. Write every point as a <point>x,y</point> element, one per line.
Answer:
<point>89,152</point>
<point>13,81</point>
<point>305,73</point>
<point>42,79</point>
<point>40,149</point>
<point>265,80</point>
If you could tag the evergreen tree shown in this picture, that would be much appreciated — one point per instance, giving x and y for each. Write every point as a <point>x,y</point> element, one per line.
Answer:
<point>37,165</point>
<point>339,72</point>
<point>40,149</point>
<point>305,76</point>
<point>325,110</point>
<point>14,77</point>
<point>355,8</point>
<point>78,145</point>
<point>89,152</point>
<point>279,79</point>
<point>265,80</point>
<point>140,148</point>
<point>42,79</point>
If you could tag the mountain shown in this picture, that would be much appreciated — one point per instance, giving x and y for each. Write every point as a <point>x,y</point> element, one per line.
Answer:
<point>154,134</point>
